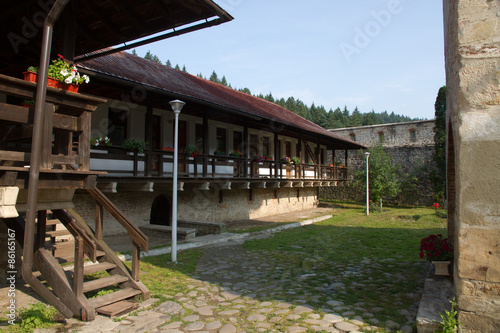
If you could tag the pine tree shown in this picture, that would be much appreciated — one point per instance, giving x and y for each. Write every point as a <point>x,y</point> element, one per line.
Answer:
<point>168,64</point>
<point>152,57</point>
<point>214,77</point>
<point>438,176</point>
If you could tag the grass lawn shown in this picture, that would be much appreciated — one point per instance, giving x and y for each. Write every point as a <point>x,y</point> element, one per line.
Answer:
<point>374,257</point>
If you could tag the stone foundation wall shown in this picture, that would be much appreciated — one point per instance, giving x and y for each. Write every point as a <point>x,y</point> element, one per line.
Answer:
<point>201,205</point>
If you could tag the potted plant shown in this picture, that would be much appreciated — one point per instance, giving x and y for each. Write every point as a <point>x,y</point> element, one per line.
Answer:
<point>296,160</point>
<point>135,145</point>
<point>100,141</point>
<point>236,153</point>
<point>438,250</point>
<point>218,152</point>
<point>61,74</point>
<point>286,160</point>
<point>191,151</point>
<point>258,158</point>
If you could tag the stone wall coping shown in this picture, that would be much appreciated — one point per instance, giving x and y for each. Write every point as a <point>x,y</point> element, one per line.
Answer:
<point>382,125</point>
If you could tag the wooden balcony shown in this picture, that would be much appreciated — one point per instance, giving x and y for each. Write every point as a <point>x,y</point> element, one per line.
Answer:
<point>66,136</point>
<point>158,164</point>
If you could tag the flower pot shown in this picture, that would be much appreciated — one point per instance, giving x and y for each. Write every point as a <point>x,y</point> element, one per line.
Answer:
<point>441,268</point>
<point>30,76</point>
<point>69,87</point>
<point>51,82</point>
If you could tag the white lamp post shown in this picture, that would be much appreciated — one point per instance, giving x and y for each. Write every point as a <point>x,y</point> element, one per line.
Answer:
<point>367,154</point>
<point>176,107</point>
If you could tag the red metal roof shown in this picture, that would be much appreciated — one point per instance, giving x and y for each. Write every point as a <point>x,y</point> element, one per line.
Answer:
<point>141,71</point>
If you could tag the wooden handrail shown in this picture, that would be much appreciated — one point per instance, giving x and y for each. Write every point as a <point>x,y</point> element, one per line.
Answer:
<point>137,236</point>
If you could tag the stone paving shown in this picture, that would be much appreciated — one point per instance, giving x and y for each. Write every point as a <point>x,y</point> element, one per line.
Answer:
<point>234,290</point>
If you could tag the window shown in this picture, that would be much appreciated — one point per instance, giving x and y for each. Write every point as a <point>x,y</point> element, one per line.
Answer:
<point>221,139</point>
<point>266,146</point>
<point>182,143</point>
<point>199,136</point>
<point>352,136</point>
<point>237,141</point>
<point>413,135</point>
<point>117,126</point>
<point>288,148</point>
<point>381,136</point>
<point>254,145</point>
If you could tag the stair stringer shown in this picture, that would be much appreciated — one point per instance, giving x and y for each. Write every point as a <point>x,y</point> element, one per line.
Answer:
<point>110,256</point>
<point>55,276</point>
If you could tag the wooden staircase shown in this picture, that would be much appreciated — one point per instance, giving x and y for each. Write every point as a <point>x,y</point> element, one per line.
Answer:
<point>66,238</point>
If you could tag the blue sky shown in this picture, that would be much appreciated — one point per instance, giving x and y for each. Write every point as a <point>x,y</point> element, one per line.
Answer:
<point>377,54</point>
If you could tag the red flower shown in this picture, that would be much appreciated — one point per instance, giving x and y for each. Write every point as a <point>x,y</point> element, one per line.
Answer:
<point>435,247</point>
<point>436,205</point>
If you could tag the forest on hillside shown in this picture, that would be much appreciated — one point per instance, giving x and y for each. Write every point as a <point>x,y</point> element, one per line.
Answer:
<point>333,118</point>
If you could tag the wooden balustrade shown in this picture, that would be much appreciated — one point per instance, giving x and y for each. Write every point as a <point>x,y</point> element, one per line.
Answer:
<point>158,163</point>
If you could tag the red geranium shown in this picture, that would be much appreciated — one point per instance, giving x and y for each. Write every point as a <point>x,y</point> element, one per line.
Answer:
<point>436,248</point>
<point>436,205</point>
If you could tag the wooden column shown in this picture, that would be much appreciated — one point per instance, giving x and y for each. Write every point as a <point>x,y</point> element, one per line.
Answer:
<point>276,156</point>
<point>205,144</point>
<point>346,158</point>
<point>149,140</point>
<point>245,150</point>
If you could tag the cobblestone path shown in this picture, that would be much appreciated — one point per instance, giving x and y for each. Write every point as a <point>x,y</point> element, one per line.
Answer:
<point>234,290</point>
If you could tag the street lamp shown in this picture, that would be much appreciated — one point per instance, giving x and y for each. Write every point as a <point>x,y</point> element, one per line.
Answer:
<point>367,154</point>
<point>176,107</point>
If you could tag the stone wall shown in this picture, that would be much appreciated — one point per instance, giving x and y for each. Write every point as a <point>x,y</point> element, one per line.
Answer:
<point>201,205</point>
<point>472,36</point>
<point>408,134</point>
<point>411,146</point>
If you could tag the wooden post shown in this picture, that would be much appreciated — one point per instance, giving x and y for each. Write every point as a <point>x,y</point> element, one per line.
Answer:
<point>48,117</point>
<point>205,145</point>
<point>245,150</point>
<point>84,141</point>
<point>136,256</point>
<point>149,139</point>
<point>78,270</point>
<point>41,228</point>
<point>99,220</point>
<point>276,156</point>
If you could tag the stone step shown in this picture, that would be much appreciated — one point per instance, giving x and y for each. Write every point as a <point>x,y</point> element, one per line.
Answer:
<point>157,230</point>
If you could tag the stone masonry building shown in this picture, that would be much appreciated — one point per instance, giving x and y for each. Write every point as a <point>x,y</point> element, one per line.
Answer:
<point>411,145</point>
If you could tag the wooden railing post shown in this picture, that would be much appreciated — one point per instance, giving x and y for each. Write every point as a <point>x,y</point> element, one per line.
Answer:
<point>41,228</point>
<point>136,257</point>
<point>78,270</point>
<point>47,135</point>
<point>99,218</point>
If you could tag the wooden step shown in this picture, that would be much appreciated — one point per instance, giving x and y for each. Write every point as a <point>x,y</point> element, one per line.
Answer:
<point>53,222</point>
<point>57,233</point>
<point>103,282</point>
<point>118,308</point>
<point>70,256</point>
<point>119,295</point>
<point>90,269</point>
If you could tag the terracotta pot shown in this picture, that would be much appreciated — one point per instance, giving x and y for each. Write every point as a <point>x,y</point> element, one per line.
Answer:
<point>30,76</point>
<point>441,268</point>
<point>69,87</point>
<point>51,82</point>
